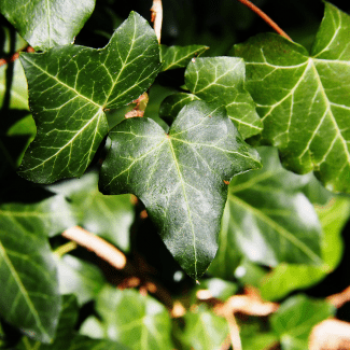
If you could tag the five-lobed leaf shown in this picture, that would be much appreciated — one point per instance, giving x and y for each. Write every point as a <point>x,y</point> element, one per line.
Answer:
<point>180,176</point>
<point>69,89</point>
<point>304,100</point>
<point>47,23</point>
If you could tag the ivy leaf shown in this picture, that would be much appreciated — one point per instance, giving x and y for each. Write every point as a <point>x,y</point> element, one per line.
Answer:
<point>69,89</point>
<point>29,297</point>
<point>220,81</point>
<point>178,56</point>
<point>139,322</point>
<point>45,24</point>
<point>272,220</point>
<point>304,100</point>
<point>295,319</point>
<point>84,343</point>
<point>180,176</point>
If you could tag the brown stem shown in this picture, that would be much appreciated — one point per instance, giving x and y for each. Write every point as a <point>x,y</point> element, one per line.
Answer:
<point>14,57</point>
<point>157,17</point>
<point>99,246</point>
<point>266,18</point>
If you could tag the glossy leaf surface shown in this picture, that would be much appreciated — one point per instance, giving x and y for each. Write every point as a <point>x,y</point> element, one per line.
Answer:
<point>45,24</point>
<point>139,322</point>
<point>69,89</point>
<point>271,219</point>
<point>221,81</point>
<point>304,100</point>
<point>178,56</point>
<point>29,297</point>
<point>180,176</point>
<point>295,319</point>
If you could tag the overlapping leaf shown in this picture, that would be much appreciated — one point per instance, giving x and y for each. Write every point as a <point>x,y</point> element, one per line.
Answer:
<point>137,321</point>
<point>272,221</point>
<point>178,56</point>
<point>180,176</point>
<point>304,100</point>
<point>45,24</point>
<point>69,89</point>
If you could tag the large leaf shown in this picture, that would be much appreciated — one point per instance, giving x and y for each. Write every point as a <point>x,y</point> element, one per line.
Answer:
<point>221,81</point>
<point>63,338</point>
<point>69,89</point>
<point>47,23</point>
<point>286,277</point>
<point>108,216</point>
<point>295,319</point>
<point>137,321</point>
<point>180,176</point>
<point>178,56</point>
<point>271,219</point>
<point>304,100</point>
<point>29,297</point>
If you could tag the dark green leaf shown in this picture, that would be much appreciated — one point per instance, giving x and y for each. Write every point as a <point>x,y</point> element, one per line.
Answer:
<point>303,100</point>
<point>178,56</point>
<point>80,278</point>
<point>272,220</point>
<point>295,319</point>
<point>66,323</point>
<point>204,330</point>
<point>45,24</point>
<point>69,89</point>
<point>221,81</point>
<point>84,343</point>
<point>106,216</point>
<point>29,297</point>
<point>137,321</point>
<point>180,176</point>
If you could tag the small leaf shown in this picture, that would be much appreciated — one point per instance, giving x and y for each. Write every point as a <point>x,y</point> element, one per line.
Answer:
<point>45,24</point>
<point>180,176</point>
<point>137,321</point>
<point>295,319</point>
<point>92,327</point>
<point>178,56</point>
<point>221,81</point>
<point>304,100</point>
<point>69,89</point>
<point>29,297</point>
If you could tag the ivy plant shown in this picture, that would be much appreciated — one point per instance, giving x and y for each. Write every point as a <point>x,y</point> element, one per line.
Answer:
<point>195,181</point>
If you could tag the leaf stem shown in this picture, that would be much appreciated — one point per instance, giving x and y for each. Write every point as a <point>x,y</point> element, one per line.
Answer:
<point>157,17</point>
<point>65,248</point>
<point>15,56</point>
<point>266,18</point>
<point>99,246</point>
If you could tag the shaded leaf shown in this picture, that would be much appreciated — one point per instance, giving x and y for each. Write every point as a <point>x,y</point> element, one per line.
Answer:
<point>304,100</point>
<point>180,176</point>
<point>221,81</point>
<point>137,321</point>
<point>178,56</point>
<point>84,343</point>
<point>107,216</point>
<point>272,220</point>
<point>295,319</point>
<point>69,89</point>
<point>45,24</point>
<point>80,278</point>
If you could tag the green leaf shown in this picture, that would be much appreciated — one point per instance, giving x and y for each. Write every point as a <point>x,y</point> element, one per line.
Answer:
<point>107,216</point>
<point>29,297</point>
<point>67,320</point>
<point>84,343</point>
<point>178,56</point>
<point>45,24</point>
<point>304,100</point>
<point>180,176</point>
<point>92,327</point>
<point>204,330</point>
<point>218,288</point>
<point>69,89</point>
<point>221,81</point>
<point>272,220</point>
<point>286,278</point>
<point>295,319</point>
<point>137,321</point>
<point>80,278</point>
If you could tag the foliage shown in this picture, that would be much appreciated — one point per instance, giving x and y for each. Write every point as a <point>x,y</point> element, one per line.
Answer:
<point>198,190</point>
